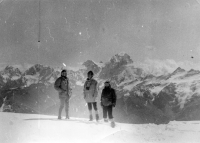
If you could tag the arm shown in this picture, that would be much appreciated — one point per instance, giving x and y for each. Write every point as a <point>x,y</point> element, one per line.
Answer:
<point>101,98</point>
<point>57,85</point>
<point>114,98</point>
<point>84,90</point>
<point>69,88</point>
<point>96,89</point>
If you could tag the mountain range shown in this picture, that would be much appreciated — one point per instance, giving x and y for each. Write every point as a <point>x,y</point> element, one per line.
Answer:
<point>142,97</point>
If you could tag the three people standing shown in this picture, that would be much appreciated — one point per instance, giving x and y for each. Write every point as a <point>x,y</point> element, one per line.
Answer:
<point>90,92</point>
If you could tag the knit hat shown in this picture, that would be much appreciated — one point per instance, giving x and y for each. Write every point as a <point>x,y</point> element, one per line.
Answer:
<point>63,71</point>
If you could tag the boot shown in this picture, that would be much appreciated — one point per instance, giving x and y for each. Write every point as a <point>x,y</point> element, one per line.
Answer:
<point>105,120</point>
<point>112,124</point>
<point>59,113</point>
<point>97,117</point>
<point>91,118</point>
<point>67,115</point>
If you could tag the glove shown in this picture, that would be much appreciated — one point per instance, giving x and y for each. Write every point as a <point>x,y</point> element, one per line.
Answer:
<point>101,104</point>
<point>113,105</point>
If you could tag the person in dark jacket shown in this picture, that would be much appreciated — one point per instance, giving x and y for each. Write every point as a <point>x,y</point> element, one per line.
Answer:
<point>108,101</point>
<point>64,90</point>
<point>90,92</point>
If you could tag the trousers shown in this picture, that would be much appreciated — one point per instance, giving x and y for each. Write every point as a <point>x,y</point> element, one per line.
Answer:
<point>90,104</point>
<point>107,110</point>
<point>64,102</point>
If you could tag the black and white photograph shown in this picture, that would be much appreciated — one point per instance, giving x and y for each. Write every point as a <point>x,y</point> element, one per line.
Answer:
<point>99,71</point>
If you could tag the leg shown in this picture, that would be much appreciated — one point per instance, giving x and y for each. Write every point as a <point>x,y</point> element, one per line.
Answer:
<point>96,110</point>
<point>105,111</point>
<point>89,106</point>
<point>95,106</point>
<point>90,110</point>
<point>110,113</point>
<point>67,107</point>
<point>111,116</point>
<point>62,102</point>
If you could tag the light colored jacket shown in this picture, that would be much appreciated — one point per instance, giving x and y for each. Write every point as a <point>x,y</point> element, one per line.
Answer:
<point>90,95</point>
<point>62,86</point>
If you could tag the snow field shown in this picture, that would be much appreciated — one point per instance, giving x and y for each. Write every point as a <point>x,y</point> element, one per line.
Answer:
<point>31,128</point>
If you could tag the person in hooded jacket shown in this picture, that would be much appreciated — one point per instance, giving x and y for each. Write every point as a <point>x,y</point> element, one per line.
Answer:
<point>64,91</point>
<point>108,101</point>
<point>90,92</point>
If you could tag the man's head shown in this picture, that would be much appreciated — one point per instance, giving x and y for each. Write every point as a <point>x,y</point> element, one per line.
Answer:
<point>64,73</point>
<point>107,84</point>
<point>90,74</point>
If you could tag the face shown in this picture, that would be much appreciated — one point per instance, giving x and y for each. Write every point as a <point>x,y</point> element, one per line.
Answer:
<point>89,76</point>
<point>106,84</point>
<point>64,73</point>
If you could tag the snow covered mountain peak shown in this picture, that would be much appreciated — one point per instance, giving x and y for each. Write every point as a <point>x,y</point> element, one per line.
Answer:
<point>178,70</point>
<point>91,65</point>
<point>36,68</point>
<point>121,57</point>
<point>11,69</point>
<point>11,73</point>
<point>192,71</point>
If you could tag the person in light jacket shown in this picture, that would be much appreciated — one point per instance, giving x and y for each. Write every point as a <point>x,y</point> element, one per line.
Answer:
<point>90,92</point>
<point>64,91</point>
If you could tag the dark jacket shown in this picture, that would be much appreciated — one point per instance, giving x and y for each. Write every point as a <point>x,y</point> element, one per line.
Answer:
<point>62,86</point>
<point>108,97</point>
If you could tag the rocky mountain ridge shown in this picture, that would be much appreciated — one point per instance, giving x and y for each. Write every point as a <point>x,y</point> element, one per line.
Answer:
<point>142,97</point>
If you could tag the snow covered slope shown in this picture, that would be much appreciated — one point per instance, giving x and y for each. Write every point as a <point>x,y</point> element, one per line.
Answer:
<point>31,128</point>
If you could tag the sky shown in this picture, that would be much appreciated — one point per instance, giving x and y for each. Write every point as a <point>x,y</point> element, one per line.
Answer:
<point>73,31</point>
